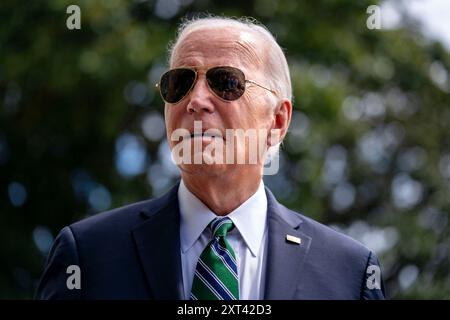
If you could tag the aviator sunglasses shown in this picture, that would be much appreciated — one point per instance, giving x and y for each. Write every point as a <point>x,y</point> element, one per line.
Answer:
<point>227,83</point>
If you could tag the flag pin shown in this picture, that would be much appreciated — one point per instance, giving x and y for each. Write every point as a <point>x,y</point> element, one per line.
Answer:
<point>293,239</point>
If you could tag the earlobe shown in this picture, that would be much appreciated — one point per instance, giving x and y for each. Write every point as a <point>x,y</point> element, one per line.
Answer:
<point>273,138</point>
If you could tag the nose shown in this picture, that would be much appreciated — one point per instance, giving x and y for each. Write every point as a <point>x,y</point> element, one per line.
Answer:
<point>199,99</point>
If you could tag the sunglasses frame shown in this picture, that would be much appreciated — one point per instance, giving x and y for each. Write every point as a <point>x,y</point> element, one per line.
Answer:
<point>206,69</point>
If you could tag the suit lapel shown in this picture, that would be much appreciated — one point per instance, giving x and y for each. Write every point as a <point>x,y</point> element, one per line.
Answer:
<point>284,258</point>
<point>158,245</point>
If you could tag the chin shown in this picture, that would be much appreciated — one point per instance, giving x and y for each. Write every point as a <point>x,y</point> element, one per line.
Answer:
<point>210,170</point>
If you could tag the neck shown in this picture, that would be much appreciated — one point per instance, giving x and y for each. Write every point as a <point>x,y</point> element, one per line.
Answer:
<point>223,193</point>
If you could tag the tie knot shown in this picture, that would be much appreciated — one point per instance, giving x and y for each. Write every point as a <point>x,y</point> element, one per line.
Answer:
<point>221,226</point>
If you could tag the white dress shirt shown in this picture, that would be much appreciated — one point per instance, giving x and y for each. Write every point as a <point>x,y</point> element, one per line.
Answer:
<point>248,239</point>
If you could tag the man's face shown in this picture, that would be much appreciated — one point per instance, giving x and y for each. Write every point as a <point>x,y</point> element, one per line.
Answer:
<point>201,50</point>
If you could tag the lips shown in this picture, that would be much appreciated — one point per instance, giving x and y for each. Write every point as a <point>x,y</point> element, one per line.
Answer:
<point>206,134</point>
<point>210,133</point>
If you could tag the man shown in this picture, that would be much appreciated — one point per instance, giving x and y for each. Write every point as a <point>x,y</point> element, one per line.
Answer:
<point>219,233</point>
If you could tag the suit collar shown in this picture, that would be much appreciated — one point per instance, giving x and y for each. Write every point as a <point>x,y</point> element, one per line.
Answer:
<point>158,244</point>
<point>284,259</point>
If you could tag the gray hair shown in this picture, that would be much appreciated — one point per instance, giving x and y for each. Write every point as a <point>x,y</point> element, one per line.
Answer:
<point>275,66</point>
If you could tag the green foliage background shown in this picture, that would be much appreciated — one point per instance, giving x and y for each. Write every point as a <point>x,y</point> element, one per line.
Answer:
<point>368,151</point>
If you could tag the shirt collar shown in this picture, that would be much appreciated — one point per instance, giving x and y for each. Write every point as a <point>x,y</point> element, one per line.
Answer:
<point>249,218</point>
<point>194,217</point>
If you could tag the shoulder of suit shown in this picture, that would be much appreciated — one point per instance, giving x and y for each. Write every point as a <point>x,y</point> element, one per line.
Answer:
<point>123,218</point>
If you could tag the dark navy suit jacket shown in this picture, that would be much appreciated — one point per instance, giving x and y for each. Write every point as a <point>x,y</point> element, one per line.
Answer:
<point>133,252</point>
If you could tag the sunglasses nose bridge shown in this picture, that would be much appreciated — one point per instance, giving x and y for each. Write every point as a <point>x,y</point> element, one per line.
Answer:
<point>199,96</point>
<point>200,88</point>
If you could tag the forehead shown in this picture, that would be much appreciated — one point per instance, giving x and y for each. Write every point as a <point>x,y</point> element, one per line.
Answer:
<point>218,46</point>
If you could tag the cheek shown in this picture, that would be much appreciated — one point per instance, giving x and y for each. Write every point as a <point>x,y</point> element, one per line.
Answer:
<point>171,125</point>
<point>172,116</point>
<point>166,115</point>
<point>258,113</point>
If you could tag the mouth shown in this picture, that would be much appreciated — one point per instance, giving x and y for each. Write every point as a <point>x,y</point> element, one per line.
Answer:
<point>207,135</point>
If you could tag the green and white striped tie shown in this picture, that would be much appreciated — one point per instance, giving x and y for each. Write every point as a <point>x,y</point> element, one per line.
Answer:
<point>216,275</point>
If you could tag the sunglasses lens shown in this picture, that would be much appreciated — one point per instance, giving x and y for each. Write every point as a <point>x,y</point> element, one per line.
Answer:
<point>226,82</point>
<point>176,83</point>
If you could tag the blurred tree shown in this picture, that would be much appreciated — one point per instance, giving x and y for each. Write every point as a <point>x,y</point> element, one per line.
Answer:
<point>82,130</point>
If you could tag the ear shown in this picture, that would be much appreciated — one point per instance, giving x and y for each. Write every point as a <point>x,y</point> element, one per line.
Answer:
<point>282,119</point>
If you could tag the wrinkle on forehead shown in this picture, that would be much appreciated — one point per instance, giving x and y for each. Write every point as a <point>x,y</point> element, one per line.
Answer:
<point>236,45</point>
<point>248,52</point>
